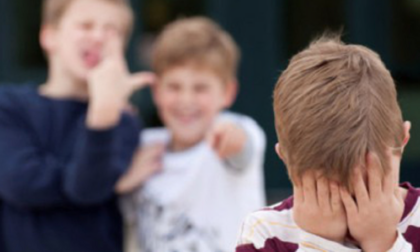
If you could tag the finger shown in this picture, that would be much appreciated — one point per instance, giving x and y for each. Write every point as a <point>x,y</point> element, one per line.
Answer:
<point>374,175</point>
<point>323,193</point>
<point>141,79</point>
<point>309,188</point>
<point>336,204</point>
<point>360,190</point>
<point>348,202</point>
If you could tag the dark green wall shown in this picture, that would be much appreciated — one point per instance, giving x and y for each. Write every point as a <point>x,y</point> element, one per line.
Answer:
<point>269,32</point>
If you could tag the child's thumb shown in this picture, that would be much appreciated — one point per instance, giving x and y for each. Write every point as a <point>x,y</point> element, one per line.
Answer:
<point>141,79</point>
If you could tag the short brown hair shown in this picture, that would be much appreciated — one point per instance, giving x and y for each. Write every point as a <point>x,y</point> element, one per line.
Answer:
<point>196,40</point>
<point>333,104</point>
<point>53,11</point>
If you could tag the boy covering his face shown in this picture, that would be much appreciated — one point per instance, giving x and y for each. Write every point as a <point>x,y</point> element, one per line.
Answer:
<point>341,136</point>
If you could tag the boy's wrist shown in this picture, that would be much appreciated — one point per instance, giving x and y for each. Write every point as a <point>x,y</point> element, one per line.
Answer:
<point>125,184</point>
<point>310,240</point>
<point>102,115</point>
<point>381,244</point>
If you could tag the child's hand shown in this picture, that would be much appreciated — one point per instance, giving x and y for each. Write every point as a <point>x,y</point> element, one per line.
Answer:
<point>110,85</point>
<point>374,215</point>
<point>227,139</point>
<point>317,208</point>
<point>146,162</point>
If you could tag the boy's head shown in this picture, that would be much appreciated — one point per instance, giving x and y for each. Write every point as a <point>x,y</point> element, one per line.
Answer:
<point>75,33</point>
<point>333,104</point>
<point>196,63</point>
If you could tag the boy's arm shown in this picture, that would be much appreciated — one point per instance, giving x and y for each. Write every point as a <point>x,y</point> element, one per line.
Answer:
<point>256,236</point>
<point>146,162</point>
<point>375,209</point>
<point>101,157</point>
<point>29,176</point>
<point>231,143</point>
<point>237,139</point>
<point>320,219</point>
<point>33,177</point>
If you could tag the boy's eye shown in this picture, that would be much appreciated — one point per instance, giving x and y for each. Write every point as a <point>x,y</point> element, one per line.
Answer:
<point>173,87</point>
<point>112,28</point>
<point>86,25</point>
<point>201,87</point>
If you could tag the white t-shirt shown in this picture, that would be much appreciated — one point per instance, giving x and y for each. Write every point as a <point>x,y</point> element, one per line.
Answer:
<point>197,202</point>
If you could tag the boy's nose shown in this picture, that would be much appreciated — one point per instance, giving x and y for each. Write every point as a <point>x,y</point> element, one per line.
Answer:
<point>99,35</point>
<point>187,98</point>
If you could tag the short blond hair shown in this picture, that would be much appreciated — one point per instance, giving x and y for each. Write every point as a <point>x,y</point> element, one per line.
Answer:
<point>199,41</point>
<point>333,104</point>
<point>53,11</point>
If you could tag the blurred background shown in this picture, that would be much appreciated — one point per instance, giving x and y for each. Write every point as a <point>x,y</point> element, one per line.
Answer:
<point>268,32</point>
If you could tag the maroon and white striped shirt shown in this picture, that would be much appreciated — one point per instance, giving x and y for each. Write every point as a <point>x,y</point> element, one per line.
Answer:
<point>274,230</point>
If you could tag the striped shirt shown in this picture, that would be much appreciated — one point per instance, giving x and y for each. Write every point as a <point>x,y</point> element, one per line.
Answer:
<point>274,230</point>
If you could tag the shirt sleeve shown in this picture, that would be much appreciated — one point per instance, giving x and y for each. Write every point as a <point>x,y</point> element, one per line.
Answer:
<point>308,243</point>
<point>28,176</point>
<point>31,177</point>
<point>257,235</point>
<point>241,160</point>
<point>100,159</point>
<point>255,143</point>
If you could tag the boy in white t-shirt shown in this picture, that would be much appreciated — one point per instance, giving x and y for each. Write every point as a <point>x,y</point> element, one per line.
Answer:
<point>211,163</point>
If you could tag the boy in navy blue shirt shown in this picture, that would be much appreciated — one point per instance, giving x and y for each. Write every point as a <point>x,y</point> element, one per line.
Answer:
<point>64,146</point>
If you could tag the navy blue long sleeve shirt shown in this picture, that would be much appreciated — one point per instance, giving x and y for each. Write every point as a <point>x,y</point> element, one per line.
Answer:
<point>57,176</point>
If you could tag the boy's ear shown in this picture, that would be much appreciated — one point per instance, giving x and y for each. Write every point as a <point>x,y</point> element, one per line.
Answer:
<point>231,92</point>
<point>47,38</point>
<point>154,89</point>
<point>279,152</point>
<point>407,127</point>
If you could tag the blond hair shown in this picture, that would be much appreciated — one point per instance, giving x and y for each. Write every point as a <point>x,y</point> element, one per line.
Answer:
<point>198,41</point>
<point>53,11</point>
<point>333,104</point>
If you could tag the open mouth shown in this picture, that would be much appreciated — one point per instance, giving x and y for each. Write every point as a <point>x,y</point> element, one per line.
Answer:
<point>186,118</point>
<point>91,58</point>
